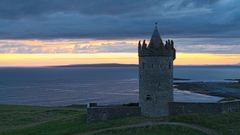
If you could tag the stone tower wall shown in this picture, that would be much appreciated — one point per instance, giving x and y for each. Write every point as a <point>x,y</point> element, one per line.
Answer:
<point>155,85</point>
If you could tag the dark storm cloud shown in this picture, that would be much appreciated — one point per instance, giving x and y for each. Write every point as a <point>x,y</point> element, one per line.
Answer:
<point>15,9</point>
<point>117,19</point>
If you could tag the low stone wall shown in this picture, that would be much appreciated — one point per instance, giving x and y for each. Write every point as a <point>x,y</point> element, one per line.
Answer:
<point>110,112</point>
<point>233,106</point>
<point>96,113</point>
<point>186,108</point>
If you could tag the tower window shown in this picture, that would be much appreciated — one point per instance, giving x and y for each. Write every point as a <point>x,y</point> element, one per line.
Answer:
<point>160,66</point>
<point>148,97</point>
<point>143,65</point>
<point>152,65</point>
<point>159,85</point>
<point>169,65</point>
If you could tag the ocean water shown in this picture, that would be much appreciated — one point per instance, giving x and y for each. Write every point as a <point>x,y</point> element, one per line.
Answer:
<point>56,86</point>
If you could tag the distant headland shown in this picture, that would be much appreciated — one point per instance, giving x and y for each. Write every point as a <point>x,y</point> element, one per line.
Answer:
<point>134,65</point>
<point>99,65</point>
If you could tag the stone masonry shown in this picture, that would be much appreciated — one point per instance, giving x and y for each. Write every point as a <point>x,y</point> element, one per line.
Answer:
<point>155,75</point>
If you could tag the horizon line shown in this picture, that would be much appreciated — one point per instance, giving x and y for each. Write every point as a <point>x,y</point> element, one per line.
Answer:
<point>113,64</point>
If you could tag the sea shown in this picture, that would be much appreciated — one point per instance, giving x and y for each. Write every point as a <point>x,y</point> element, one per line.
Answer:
<point>61,86</point>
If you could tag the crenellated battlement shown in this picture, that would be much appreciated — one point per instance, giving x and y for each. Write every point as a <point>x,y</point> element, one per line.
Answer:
<point>156,47</point>
<point>162,49</point>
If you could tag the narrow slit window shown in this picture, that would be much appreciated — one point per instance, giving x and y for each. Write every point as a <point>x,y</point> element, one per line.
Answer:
<point>148,97</point>
<point>159,85</point>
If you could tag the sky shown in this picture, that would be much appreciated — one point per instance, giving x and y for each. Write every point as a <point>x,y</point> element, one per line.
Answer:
<point>59,32</point>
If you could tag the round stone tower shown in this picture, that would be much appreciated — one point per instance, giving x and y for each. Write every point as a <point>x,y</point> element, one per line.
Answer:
<point>155,75</point>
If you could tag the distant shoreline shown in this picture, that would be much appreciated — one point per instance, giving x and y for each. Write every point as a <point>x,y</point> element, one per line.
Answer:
<point>116,65</point>
<point>98,65</point>
<point>221,89</point>
<point>136,65</point>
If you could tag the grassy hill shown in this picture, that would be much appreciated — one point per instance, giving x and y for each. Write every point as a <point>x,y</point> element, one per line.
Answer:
<point>153,130</point>
<point>35,120</point>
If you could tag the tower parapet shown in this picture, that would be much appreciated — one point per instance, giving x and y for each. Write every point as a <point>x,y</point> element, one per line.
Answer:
<point>156,47</point>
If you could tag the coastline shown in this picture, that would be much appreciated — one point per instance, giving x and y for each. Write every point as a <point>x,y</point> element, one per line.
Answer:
<point>228,90</point>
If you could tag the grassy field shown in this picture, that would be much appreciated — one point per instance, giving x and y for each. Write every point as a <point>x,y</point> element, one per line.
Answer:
<point>154,130</point>
<point>28,120</point>
<point>33,120</point>
<point>227,124</point>
<point>233,85</point>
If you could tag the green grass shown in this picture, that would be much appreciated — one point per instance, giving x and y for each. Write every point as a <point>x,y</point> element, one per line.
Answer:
<point>227,124</point>
<point>30,120</point>
<point>21,119</point>
<point>154,130</point>
<point>13,116</point>
<point>233,85</point>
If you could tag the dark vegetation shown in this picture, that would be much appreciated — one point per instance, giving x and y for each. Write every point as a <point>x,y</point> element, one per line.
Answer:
<point>35,120</point>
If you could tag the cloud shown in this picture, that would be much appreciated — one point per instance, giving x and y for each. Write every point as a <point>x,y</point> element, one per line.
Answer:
<point>16,9</point>
<point>194,45</point>
<point>108,19</point>
<point>70,26</point>
<point>208,45</point>
<point>106,47</point>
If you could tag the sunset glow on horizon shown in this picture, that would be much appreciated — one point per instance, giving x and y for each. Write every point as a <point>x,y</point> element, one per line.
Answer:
<point>34,60</point>
<point>190,51</point>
